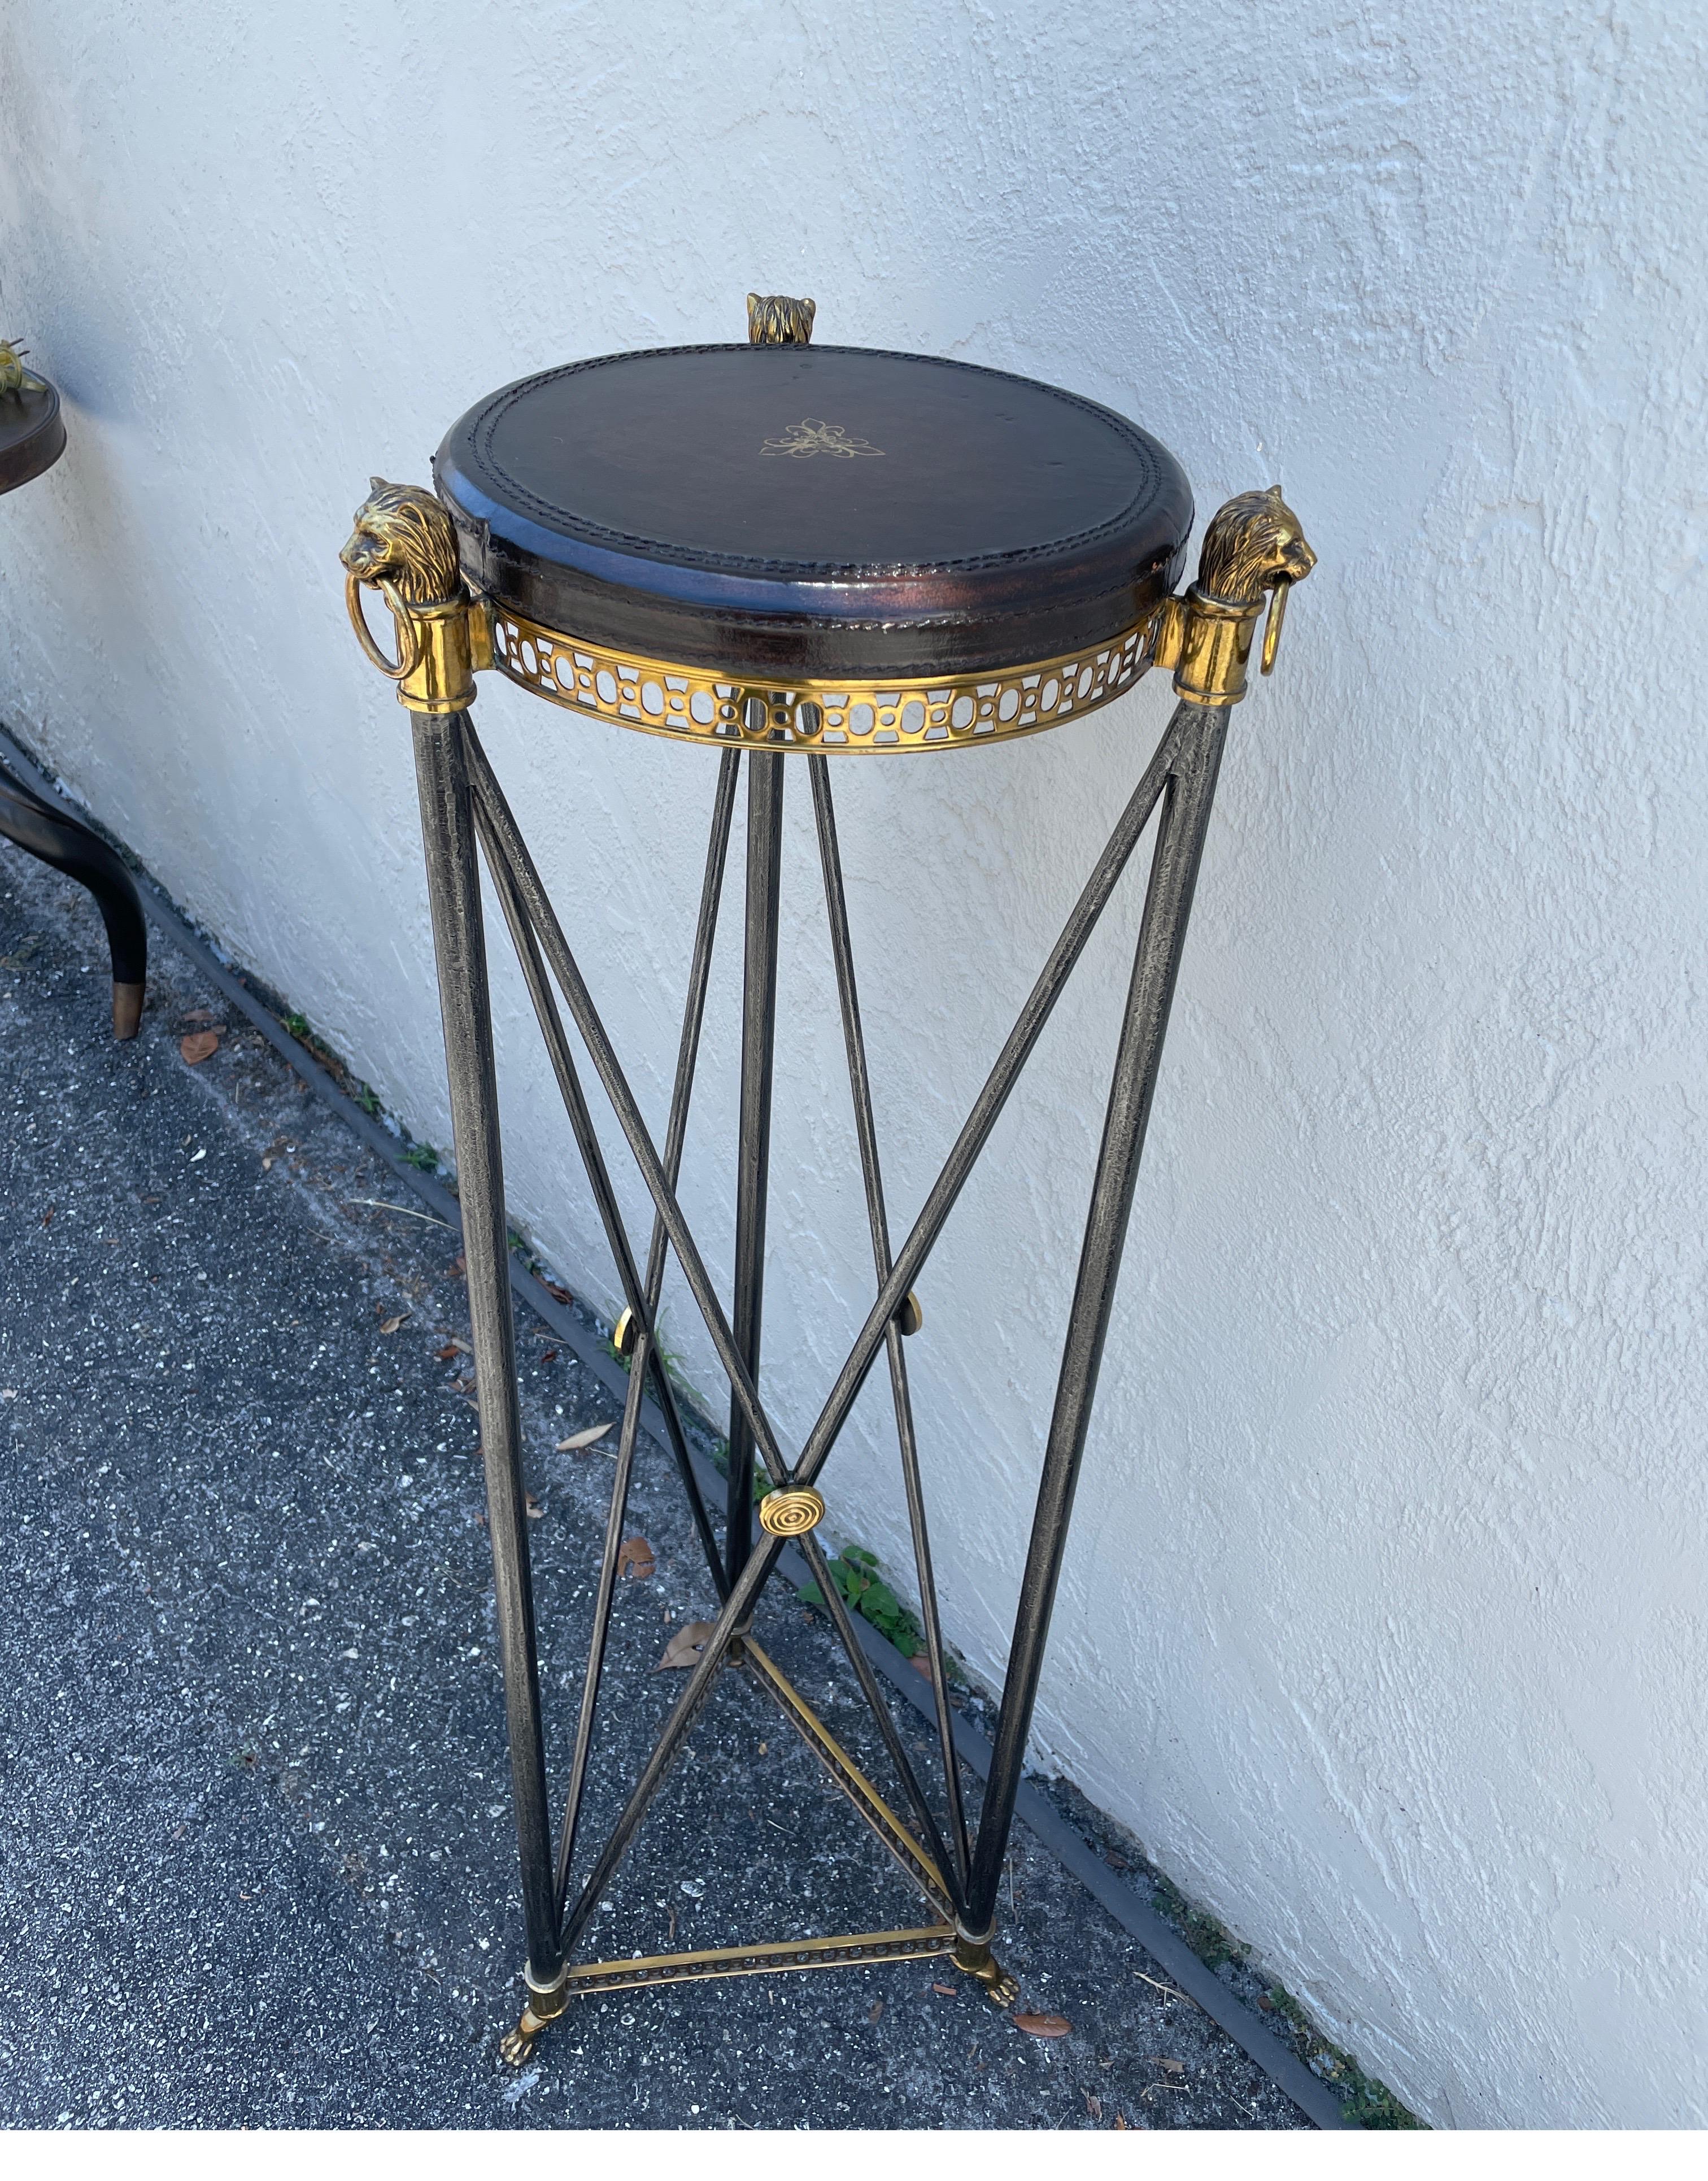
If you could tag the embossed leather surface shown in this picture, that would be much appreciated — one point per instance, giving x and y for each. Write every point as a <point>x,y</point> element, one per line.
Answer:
<point>823,510</point>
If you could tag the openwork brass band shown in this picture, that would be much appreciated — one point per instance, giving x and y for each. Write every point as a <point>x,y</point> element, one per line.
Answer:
<point>661,697</point>
<point>404,547</point>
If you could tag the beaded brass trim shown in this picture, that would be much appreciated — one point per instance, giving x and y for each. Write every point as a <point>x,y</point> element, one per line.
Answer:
<point>697,705</point>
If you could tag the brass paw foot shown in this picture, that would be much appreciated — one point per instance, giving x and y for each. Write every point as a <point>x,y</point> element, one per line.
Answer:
<point>517,2045</point>
<point>974,1958</point>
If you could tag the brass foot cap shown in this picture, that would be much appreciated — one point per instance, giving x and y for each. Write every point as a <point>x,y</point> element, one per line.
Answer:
<point>127,1010</point>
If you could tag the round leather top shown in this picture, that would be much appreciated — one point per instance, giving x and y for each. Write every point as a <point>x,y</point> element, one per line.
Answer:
<point>32,434</point>
<point>818,510</point>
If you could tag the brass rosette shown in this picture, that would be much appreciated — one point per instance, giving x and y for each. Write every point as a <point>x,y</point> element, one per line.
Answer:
<point>791,1514</point>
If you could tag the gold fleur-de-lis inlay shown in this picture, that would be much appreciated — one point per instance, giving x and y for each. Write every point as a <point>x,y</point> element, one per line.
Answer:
<point>813,436</point>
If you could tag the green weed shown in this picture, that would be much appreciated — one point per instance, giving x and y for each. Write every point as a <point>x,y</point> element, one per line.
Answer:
<point>855,1576</point>
<point>1371,2104</point>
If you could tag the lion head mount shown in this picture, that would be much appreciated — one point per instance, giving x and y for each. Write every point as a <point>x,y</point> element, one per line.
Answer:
<point>403,537</point>
<point>1254,543</point>
<point>780,321</point>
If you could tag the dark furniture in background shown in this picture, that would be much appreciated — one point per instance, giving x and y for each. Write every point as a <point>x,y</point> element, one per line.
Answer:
<point>32,438</point>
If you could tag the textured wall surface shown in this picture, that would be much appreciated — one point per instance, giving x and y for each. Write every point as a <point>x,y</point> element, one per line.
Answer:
<point>1382,1625</point>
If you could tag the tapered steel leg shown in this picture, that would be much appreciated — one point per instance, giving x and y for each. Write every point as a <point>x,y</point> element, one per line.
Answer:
<point>753,1151</point>
<point>1174,875</point>
<point>453,874</point>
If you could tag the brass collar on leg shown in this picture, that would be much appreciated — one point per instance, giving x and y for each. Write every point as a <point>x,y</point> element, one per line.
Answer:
<point>545,2003</point>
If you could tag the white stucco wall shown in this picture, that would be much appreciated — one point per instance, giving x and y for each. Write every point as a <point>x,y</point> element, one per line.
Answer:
<point>1383,1621</point>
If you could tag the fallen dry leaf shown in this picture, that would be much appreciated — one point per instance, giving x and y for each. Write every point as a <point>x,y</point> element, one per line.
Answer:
<point>635,1557</point>
<point>921,1664</point>
<point>1121,2120</point>
<point>1170,2066</point>
<point>548,1355</point>
<point>948,1990</point>
<point>459,1267</point>
<point>556,1293</point>
<point>535,1512</point>
<point>1043,2025</point>
<point>391,1324</point>
<point>577,1440</point>
<point>200,1045</point>
<point>875,2011</point>
<point>448,1354</point>
<point>685,1647</point>
<point>1093,2105</point>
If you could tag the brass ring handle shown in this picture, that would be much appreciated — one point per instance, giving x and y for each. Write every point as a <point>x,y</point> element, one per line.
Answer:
<point>1272,626</point>
<point>408,636</point>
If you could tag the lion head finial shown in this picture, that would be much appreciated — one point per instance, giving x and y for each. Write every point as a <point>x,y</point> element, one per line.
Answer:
<point>780,321</point>
<point>403,537</point>
<point>1253,543</point>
